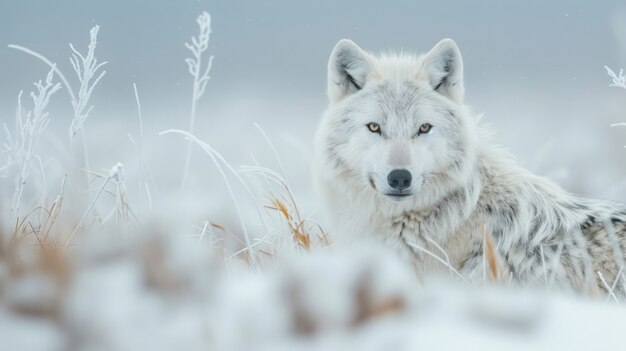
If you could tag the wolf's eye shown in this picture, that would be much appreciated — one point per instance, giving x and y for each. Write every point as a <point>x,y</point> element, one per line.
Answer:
<point>425,128</point>
<point>374,127</point>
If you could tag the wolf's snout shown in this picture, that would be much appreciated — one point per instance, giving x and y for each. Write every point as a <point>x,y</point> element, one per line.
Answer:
<point>399,179</point>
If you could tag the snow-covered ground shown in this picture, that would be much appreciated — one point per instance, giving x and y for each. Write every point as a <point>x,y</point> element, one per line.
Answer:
<point>158,291</point>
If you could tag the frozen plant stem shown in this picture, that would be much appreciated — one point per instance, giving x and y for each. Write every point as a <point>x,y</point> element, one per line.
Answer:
<point>618,80</point>
<point>28,130</point>
<point>140,143</point>
<point>114,174</point>
<point>88,71</point>
<point>140,117</point>
<point>449,266</point>
<point>271,145</point>
<point>143,167</point>
<point>50,64</point>
<point>86,68</point>
<point>216,157</point>
<point>93,202</point>
<point>200,76</point>
<point>607,287</point>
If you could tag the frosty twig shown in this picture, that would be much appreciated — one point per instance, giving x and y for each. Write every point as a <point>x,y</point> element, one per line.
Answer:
<point>200,73</point>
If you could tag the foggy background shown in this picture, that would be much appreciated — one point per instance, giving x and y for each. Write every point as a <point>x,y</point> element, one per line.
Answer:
<point>534,68</point>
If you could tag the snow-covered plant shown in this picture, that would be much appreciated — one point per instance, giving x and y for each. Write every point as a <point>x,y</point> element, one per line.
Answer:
<point>21,145</point>
<point>121,208</point>
<point>143,167</point>
<point>199,70</point>
<point>619,80</point>
<point>218,160</point>
<point>87,68</point>
<point>89,75</point>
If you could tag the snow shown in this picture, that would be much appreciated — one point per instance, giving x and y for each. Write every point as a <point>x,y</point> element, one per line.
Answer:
<point>163,291</point>
<point>26,333</point>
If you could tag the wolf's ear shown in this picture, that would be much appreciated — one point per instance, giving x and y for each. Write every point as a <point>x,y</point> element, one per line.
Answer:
<point>349,69</point>
<point>443,68</point>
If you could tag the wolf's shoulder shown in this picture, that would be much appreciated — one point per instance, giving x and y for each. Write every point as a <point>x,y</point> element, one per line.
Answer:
<point>511,192</point>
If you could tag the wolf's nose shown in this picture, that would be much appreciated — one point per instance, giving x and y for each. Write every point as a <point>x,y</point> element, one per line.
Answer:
<point>399,179</point>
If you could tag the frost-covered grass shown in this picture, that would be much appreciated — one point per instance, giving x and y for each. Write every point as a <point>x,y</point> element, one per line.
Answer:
<point>95,259</point>
<point>199,70</point>
<point>618,80</point>
<point>20,146</point>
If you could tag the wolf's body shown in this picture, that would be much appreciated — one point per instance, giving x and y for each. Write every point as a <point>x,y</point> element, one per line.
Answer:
<point>461,184</point>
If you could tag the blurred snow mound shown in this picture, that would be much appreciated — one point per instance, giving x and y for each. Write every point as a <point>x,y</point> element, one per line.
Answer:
<point>159,290</point>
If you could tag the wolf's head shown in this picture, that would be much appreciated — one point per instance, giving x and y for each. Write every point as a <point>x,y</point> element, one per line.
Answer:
<point>396,124</point>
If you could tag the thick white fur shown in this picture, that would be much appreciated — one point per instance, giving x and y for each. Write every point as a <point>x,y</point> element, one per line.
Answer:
<point>462,183</point>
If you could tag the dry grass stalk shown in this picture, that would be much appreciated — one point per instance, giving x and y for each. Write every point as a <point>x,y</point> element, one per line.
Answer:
<point>295,224</point>
<point>491,255</point>
<point>242,254</point>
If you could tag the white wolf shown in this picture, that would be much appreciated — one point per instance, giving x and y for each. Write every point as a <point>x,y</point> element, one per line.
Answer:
<point>400,158</point>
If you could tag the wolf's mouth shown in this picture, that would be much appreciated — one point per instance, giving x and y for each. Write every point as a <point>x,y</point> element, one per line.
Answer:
<point>398,196</point>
